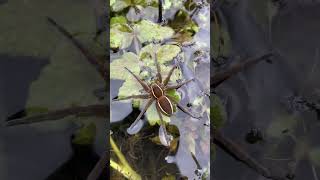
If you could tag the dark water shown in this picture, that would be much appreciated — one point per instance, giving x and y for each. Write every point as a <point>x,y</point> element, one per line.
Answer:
<point>255,97</point>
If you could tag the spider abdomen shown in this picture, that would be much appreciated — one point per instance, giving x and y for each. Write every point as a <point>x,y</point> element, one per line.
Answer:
<point>156,90</point>
<point>165,105</point>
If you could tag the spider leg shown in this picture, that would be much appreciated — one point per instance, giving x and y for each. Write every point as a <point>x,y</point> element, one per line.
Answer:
<point>177,86</point>
<point>183,109</point>
<point>143,84</point>
<point>159,77</point>
<point>165,82</point>
<point>142,112</point>
<point>139,96</point>
<point>162,123</point>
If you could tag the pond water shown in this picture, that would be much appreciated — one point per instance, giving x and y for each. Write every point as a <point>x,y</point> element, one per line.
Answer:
<point>273,98</point>
<point>41,69</point>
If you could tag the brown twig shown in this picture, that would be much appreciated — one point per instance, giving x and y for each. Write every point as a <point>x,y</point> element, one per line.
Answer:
<point>99,110</point>
<point>99,167</point>
<point>90,57</point>
<point>239,154</point>
<point>220,77</point>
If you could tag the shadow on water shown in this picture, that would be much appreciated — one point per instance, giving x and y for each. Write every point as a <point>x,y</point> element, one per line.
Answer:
<point>17,73</point>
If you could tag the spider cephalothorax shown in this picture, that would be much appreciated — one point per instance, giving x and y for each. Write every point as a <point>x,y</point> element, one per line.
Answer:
<point>157,91</point>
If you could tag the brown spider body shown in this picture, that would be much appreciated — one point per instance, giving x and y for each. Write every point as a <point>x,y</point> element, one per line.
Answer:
<point>165,105</point>
<point>163,102</point>
<point>156,92</point>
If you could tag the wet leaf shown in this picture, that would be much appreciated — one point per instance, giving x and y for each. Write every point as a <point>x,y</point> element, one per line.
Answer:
<point>120,36</point>
<point>183,23</point>
<point>130,87</point>
<point>314,155</point>
<point>117,67</point>
<point>149,31</point>
<point>164,53</point>
<point>217,112</point>
<point>119,5</point>
<point>85,135</point>
<point>221,42</point>
<point>118,20</point>
<point>153,117</point>
<point>168,177</point>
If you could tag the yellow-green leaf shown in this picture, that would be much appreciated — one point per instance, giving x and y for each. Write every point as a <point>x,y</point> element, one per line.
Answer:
<point>85,135</point>
<point>149,31</point>
<point>117,67</point>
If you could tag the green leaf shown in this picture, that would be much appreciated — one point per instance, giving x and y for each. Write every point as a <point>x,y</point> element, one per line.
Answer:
<point>217,112</point>
<point>112,2</point>
<point>118,20</point>
<point>174,95</point>
<point>165,53</point>
<point>153,116</point>
<point>221,41</point>
<point>314,155</point>
<point>119,5</point>
<point>117,67</point>
<point>130,87</point>
<point>149,31</point>
<point>120,36</point>
<point>168,177</point>
<point>85,135</point>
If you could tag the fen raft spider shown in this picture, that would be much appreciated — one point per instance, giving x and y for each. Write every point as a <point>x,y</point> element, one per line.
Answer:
<point>157,91</point>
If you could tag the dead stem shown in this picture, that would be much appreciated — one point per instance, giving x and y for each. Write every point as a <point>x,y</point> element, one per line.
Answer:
<point>99,167</point>
<point>239,154</point>
<point>90,57</point>
<point>99,110</point>
<point>220,77</point>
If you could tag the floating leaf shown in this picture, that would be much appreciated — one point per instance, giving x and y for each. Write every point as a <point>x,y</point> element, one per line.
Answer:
<point>112,2</point>
<point>130,87</point>
<point>167,53</point>
<point>221,40</point>
<point>153,116</point>
<point>119,5</point>
<point>164,53</point>
<point>120,36</point>
<point>85,135</point>
<point>314,155</point>
<point>217,112</point>
<point>168,177</point>
<point>118,20</point>
<point>117,67</point>
<point>149,31</point>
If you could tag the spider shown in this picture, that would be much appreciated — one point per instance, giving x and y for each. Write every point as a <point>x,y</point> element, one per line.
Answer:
<point>157,91</point>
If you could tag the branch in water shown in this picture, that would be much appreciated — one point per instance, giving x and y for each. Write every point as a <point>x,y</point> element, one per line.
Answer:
<point>90,57</point>
<point>99,110</point>
<point>239,154</point>
<point>220,77</point>
<point>99,167</point>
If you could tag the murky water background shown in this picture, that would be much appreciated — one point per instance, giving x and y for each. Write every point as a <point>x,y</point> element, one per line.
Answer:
<point>258,97</point>
<point>39,67</point>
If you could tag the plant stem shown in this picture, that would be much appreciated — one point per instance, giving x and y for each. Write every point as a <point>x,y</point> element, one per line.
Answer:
<point>99,110</point>
<point>123,168</point>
